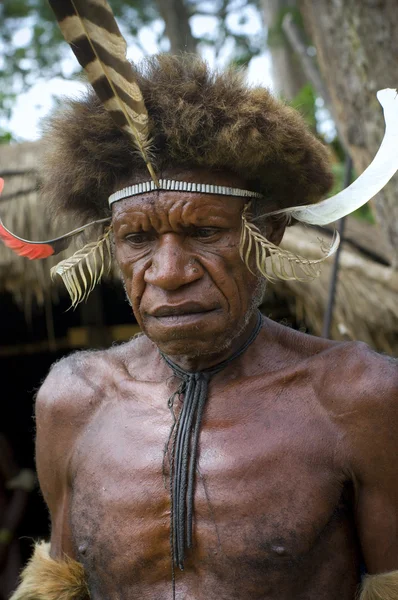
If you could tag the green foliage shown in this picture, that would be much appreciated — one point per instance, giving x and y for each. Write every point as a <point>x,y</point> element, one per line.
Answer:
<point>304,102</point>
<point>365,213</point>
<point>338,174</point>
<point>5,137</point>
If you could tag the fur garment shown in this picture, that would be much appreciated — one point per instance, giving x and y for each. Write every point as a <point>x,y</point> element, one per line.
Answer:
<point>197,118</point>
<point>383,586</point>
<point>45,578</point>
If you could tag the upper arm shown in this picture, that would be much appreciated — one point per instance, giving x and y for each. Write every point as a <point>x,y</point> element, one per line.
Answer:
<point>61,411</point>
<point>372,435</point>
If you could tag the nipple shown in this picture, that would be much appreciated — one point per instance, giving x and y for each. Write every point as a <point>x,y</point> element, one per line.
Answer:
<point>279,550</point>
<point>82,548</point>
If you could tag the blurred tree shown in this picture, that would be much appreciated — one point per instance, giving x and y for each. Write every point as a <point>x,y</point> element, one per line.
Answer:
<point>287,70</point>
<point>175,14</point>
<point>357,50</point>
<point>290,79</point>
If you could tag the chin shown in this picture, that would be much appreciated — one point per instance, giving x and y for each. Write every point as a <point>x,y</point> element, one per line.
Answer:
<point>190,335</point>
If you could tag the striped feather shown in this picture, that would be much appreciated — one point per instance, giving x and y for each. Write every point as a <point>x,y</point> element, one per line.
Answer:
<point>90,29</point>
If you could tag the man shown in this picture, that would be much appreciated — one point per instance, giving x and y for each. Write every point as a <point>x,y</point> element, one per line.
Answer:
<point>219,454</point>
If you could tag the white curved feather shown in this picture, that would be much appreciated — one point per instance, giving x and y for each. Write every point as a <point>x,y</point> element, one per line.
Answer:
<point>367,185</point>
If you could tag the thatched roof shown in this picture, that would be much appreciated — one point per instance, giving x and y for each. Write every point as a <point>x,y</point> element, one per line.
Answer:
<point>366,304</point>
<point>24,215</point>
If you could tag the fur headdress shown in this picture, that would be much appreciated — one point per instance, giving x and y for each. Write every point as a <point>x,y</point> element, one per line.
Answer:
<point>197,117</point>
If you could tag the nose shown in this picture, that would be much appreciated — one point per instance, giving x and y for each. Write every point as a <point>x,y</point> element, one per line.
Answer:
<point>172,266</point>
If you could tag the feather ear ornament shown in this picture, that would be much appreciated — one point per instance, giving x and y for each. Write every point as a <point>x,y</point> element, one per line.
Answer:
<point>84,269</point>
<point>284,264</point>
<point>90,29</point>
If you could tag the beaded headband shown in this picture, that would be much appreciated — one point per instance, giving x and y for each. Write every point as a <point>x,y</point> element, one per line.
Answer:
<point>180,186</point>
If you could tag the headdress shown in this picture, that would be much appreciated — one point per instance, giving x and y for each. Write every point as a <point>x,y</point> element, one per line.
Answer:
<point>173,111</point>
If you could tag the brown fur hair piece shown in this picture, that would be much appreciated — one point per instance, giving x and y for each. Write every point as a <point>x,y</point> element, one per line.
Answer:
<point>45,578</point>
<point>383,586</point>
<point>198,118</point>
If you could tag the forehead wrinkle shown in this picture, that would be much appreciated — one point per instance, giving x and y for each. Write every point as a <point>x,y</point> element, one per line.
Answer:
<point>127,216</point>
<point>218,208</point>
<point>177,212</point>
<point>161,210</point>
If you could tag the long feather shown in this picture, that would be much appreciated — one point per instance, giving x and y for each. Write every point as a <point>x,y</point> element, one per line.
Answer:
<point>90,29</point>
<point>43,248</point>
<point>31,250</point>
<point>367,185</point>
<point>84,269</point>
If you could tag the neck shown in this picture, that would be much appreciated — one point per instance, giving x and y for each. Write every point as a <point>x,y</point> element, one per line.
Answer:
<point>200,363</point>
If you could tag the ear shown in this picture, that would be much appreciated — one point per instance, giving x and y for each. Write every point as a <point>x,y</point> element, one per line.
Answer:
<point>275,229</point>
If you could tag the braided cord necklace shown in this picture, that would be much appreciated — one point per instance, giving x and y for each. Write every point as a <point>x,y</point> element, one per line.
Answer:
<point>185,439</point>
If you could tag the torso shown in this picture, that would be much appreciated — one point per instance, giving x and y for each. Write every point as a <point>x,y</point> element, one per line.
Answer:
<point>273,499</point>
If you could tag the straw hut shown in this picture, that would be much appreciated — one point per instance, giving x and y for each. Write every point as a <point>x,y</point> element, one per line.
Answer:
<point>366,305</point>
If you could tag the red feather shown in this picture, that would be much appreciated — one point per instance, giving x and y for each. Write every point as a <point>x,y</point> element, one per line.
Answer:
<point>29,249</point>
<point>33,250</point>
<point>22,247</point>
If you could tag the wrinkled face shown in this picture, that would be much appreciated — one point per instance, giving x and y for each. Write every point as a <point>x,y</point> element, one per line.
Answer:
<point>179,255</point>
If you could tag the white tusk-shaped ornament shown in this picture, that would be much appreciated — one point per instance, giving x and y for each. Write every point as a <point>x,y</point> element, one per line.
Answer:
<point>372,180</point>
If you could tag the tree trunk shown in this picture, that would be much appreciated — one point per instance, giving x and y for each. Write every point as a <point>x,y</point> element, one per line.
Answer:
<point>176,18</point>
<point>357,51</point>
<point>287,72</point>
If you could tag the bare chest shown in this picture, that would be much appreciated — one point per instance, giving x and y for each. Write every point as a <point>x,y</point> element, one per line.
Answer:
<point>267,493</point>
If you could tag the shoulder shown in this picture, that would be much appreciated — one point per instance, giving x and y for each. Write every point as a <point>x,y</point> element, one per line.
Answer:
<point>345,376</point>
<point>73,384</point>
<point>355,377</point>
<point>358,389</point>
<point>78,384</point>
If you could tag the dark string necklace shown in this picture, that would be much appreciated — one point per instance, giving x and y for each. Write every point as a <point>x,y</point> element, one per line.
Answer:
<point>186,430</point>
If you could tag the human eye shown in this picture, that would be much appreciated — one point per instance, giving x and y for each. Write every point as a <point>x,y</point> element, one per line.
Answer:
<point>206,232</point>
<point>138,239</point>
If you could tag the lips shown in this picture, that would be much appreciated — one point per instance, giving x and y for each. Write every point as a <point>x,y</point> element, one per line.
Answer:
<point>187,308</point>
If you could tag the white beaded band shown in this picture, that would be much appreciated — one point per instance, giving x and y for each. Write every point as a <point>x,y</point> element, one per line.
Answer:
<point>180,186</point>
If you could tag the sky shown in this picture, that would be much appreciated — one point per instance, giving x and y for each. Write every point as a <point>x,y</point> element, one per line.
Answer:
<point>33,106</point>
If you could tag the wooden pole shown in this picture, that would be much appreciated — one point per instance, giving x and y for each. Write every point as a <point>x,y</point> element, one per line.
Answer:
<point>335,271</point>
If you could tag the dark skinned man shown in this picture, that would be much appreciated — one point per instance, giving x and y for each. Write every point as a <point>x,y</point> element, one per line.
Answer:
<point>218,454</point>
